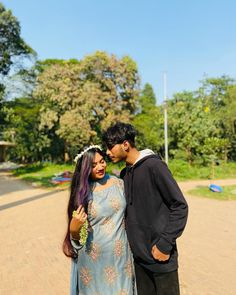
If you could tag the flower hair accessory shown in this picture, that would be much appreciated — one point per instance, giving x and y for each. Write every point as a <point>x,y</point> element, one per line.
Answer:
<point>78,156</point>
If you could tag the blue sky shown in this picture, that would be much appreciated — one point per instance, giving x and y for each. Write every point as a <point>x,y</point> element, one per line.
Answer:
<point>187,39</point>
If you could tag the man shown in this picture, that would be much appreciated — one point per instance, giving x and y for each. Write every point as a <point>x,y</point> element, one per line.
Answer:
<point>156,212</point>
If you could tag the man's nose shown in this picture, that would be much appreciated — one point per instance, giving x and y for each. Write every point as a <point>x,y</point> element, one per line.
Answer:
<point>108,152</point>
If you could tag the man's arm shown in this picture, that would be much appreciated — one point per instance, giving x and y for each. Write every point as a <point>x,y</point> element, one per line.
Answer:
<point>178,208</point>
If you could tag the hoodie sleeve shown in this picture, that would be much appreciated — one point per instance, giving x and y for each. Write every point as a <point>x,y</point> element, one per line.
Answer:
<point>176,203</point>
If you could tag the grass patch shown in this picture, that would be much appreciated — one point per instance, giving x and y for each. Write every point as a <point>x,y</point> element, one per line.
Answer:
<point>41,174</point>
<point>181,170</point>
<point>228,193</point>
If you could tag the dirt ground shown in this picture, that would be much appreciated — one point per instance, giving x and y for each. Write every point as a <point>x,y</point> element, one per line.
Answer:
<point>33,223</point>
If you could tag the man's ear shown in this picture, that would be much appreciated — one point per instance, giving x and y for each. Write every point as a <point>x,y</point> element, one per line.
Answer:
<point>126,145</point>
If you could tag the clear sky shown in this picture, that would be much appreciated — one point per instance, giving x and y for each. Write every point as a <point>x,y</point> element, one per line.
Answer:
<point>187,39</point>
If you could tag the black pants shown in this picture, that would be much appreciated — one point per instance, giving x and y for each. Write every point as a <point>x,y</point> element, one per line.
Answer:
<point>149,283</point>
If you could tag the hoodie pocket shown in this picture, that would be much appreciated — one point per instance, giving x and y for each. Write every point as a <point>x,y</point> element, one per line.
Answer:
<point>140,242</point>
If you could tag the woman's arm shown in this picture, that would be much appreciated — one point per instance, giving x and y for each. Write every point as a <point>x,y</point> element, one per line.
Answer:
<point>78,219</point>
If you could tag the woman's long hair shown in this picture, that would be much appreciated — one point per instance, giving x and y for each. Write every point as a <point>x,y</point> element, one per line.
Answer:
<point>79,192</point>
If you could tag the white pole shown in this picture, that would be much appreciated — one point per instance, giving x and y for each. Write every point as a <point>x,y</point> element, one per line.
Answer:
<point>165,117</point>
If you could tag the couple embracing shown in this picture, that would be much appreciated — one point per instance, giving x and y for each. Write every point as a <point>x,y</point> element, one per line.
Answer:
<point>143,210</point>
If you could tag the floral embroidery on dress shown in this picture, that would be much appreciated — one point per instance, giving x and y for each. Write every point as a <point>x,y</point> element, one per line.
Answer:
<point>110,274</point>
<point>92,209</point>
<point>94,251</point>
<point>115,203</point>
<point>119,247</point>
<point>105,263</point>
<point>108,225</point>
<point>121,184</point>
<point>85,276</point>
<point>128,268</point>
<point>123,292</point>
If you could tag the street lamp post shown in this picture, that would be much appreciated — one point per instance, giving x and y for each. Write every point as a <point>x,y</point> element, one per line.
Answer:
<point>165,117</point>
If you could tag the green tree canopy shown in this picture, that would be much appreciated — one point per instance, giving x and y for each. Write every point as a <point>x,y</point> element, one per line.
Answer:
<point>12,45</point>
<point>13,51</point>
<point>149,121</point>
<point>79,99</point>
<point>22,124</point>
<point>147,99</point>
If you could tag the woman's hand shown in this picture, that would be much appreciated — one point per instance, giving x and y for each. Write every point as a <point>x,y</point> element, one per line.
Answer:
<point>78,219</point>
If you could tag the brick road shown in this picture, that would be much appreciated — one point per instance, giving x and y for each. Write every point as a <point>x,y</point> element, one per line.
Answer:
<point>33,223</point>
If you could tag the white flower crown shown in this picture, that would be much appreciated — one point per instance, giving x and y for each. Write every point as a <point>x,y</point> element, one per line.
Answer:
<point>78,156</point>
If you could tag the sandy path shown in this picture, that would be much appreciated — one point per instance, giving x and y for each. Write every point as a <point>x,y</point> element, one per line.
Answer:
<point>32,225</point>
<point>208,246</point>
<point>31,261</point>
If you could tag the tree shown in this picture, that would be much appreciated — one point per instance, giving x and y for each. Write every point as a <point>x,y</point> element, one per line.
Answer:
<point>214,90</point>
<point>148,121</point>
<point>79,99</point>
<point>12,46</point>
<point>228,119</point>
<point>219,96</point>
<point>147,99</point>
<point>2,113</point>
<point>201,123</point>
<point>190,125</point>
<point>22,124</point>
<point>13,51</point>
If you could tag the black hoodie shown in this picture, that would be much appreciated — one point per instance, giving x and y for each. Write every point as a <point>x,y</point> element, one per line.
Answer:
<point>156,212</point>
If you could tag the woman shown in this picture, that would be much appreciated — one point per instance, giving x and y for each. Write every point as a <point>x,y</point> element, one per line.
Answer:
<point>103,266</point>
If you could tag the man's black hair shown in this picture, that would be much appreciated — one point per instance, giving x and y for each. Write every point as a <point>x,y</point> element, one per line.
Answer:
<point>118,133</point>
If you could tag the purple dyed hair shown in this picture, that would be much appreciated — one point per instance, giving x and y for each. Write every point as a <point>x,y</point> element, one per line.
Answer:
<point>80,190</point>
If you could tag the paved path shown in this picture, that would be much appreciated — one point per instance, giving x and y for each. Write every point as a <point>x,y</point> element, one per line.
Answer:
<point>33,223</point>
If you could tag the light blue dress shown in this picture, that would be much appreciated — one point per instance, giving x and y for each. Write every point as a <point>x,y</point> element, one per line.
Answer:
<point>104,265</point>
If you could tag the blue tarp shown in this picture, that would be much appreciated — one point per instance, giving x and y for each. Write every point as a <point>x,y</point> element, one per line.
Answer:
<point>215,188</point>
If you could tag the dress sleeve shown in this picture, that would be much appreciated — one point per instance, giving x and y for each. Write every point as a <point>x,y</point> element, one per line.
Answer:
<point>75,244</point>
<point>119,182</point>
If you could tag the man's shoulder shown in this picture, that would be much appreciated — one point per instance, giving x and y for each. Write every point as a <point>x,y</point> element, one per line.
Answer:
<point>122,173</point>
<point>152,160</point>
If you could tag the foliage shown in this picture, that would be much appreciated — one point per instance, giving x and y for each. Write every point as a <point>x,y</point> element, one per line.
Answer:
<point>22,128</point>
<point>73,101</point>
<point>202,123</point>
<point>148,121</point>
<point>79,99</point>
<point>219,94</point>
<point>147,99</point>
<point>11,44</point>
<point>190,126</point>
<point>13,51</point>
